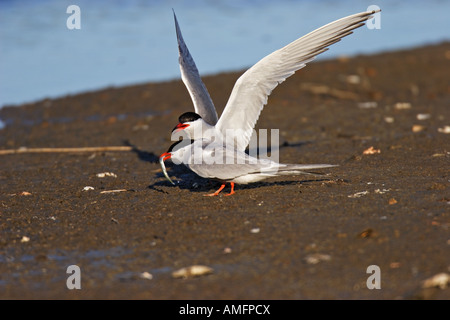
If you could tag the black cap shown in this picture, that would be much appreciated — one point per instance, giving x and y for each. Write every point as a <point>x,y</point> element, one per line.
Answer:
<point>188,117</point>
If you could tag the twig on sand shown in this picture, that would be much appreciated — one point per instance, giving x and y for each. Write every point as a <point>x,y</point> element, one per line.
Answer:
<point>61,150</point>
<point>114,191</point>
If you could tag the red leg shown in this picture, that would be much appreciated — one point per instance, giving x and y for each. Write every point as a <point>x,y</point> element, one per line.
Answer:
<point>217,192</point>
<point>232,189</point>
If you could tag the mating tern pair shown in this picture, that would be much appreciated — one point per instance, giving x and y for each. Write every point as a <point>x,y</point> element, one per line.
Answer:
<point>209,136</point>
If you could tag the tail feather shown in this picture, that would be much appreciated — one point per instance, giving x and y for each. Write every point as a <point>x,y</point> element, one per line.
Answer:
<point>287,167</point>
<point>296,169</point>
<point>279,170</point>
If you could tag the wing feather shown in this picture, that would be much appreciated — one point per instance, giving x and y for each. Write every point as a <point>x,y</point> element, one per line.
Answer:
<point>203,105</point>
<point>251,91</point>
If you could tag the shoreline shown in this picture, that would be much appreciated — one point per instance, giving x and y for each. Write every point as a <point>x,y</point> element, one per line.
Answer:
<point>208,75</point>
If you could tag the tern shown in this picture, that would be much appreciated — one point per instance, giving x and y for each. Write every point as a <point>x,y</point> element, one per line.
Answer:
<point>228,165</point>
<point>248,98</point>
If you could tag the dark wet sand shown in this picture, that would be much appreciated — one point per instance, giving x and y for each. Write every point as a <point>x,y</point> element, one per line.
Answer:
<point>285,238</point>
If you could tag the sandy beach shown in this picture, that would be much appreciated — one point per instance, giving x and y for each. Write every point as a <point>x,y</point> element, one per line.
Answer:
<point>384,119</point>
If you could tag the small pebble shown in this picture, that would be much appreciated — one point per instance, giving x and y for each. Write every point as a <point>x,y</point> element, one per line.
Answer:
<point>146,275</point>
<point>417,128</point>
<point>367,233</point>
<point>402,105</point>
<point>423,116</point>
<point>440,280</point>
<point>389,119</point>
<point>353,79</point>
<point>106,174</point>
<point>358,194</point>
<point>392,201</point>
<point>192,271</point>
<point>317,257</point>
<point>371,150</point>
<point>368,105</point>
<point>445,129</point>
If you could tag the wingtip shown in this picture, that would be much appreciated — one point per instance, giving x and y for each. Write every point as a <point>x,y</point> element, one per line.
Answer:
<point>374,11</point>
<point>174,15</point>
<point>177,27</point>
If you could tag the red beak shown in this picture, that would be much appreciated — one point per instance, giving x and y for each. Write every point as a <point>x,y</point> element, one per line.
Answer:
<point>165,156</point>
<point>180,126</point>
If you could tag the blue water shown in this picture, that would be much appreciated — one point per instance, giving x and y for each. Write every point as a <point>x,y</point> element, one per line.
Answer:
<point>129,42</point>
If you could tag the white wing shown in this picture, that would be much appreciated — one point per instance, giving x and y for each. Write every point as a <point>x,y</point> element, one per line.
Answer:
<point>219,162</point>
<point>252,89</point>
<point>203,104</point>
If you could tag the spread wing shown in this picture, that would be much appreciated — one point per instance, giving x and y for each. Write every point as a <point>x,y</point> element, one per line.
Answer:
<point>203,104</point>
<point>251,90</point>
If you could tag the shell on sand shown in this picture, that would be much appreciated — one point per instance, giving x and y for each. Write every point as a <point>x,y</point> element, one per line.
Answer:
<point>192,271</point>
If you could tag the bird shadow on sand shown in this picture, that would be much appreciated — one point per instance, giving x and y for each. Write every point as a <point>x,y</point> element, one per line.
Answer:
<point>187,180</point>
<point>142,155</point>
<point>208,186</point>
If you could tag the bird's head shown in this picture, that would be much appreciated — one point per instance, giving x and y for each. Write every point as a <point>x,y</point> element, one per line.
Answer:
<point>176,152</point>
<point>191,124</point>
